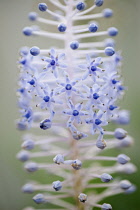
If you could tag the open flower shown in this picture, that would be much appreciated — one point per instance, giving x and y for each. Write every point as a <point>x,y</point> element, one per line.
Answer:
<point>54,62</point>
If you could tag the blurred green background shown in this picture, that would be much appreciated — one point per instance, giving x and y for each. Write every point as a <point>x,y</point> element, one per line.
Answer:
<point>13,17</point>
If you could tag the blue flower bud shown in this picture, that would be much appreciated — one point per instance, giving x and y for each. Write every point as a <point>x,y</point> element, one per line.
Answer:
<point>24,50</point>
<point>77,164</point>
<point>109,51</point>
<point>110,42</point>
<point>101,144</point>
<point>112,31</point>
<point>99,3</point>
<point>131,189</point>
<point>128,141</point>
<point>62,27</point>
<point>45,124</point>
<point>80,6</point>
<point>74,45</point>
<point>128,169</point>
<point>120,133</point>
<point>125,184</point>
<point>42,7</point>
<point>93,27</point>
<point>82,197</point>
<point>123,159</point>
<point>124,117</point>
<point>35,51</point>
<point>31,166</point>
<point>22,126</point>
<point>28,188</point>
<point>27,31</point>
<point>57,185</point>
<point>106,206</point>
<point>107,13</point>
<point>28,144</point>
<point>33,16</point>
<point>58,159</point>
<point>39,198</point>
<point>106,177</point>
<point>23,156</point>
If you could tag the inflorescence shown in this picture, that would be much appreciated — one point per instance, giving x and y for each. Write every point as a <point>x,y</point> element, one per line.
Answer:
<point>67,97</point>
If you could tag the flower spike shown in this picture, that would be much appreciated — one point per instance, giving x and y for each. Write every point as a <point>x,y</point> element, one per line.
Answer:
<point>67,96</point>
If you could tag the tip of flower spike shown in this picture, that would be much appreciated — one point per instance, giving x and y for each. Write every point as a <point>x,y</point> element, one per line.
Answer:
<point>28,144</point>
<point>99,3</point>
<point>33,16</point>
<point>107,13</point>
<point>28,188</point>
<point>109,51</point>
<point>74,45</point>
<point>35,51</point>
<point>31,166</point>
<point>80,6</point>
<point>120,133</point>
<point>39,198</point>
<point>42,7</point>
<point>106,206</point>
<point>62,27</point>
<point>27,31</point>
<point>125,184</point>
<point>82,197</point>
<point>57,185</point>
<point>112,31</point>
<point>45,124</point>
<point>93,27</point>
<point>123,159</point>
<point>23,156</point>
<point>106,178</point>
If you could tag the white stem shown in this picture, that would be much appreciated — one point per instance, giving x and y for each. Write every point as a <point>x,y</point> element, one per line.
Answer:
<point>50,35</point>
<point>89,51</point>
<point>58,4</point>
<point>80,31</point>
<point>49,22</point>
<point>103,158</point>
<point>91,44</point>
<point>87,35</point>
<point>55,15</point>
<point>87,10</point>
<point>86,17</point>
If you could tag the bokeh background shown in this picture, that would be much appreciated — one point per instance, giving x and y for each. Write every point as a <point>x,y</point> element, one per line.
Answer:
<point>13,17</point>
